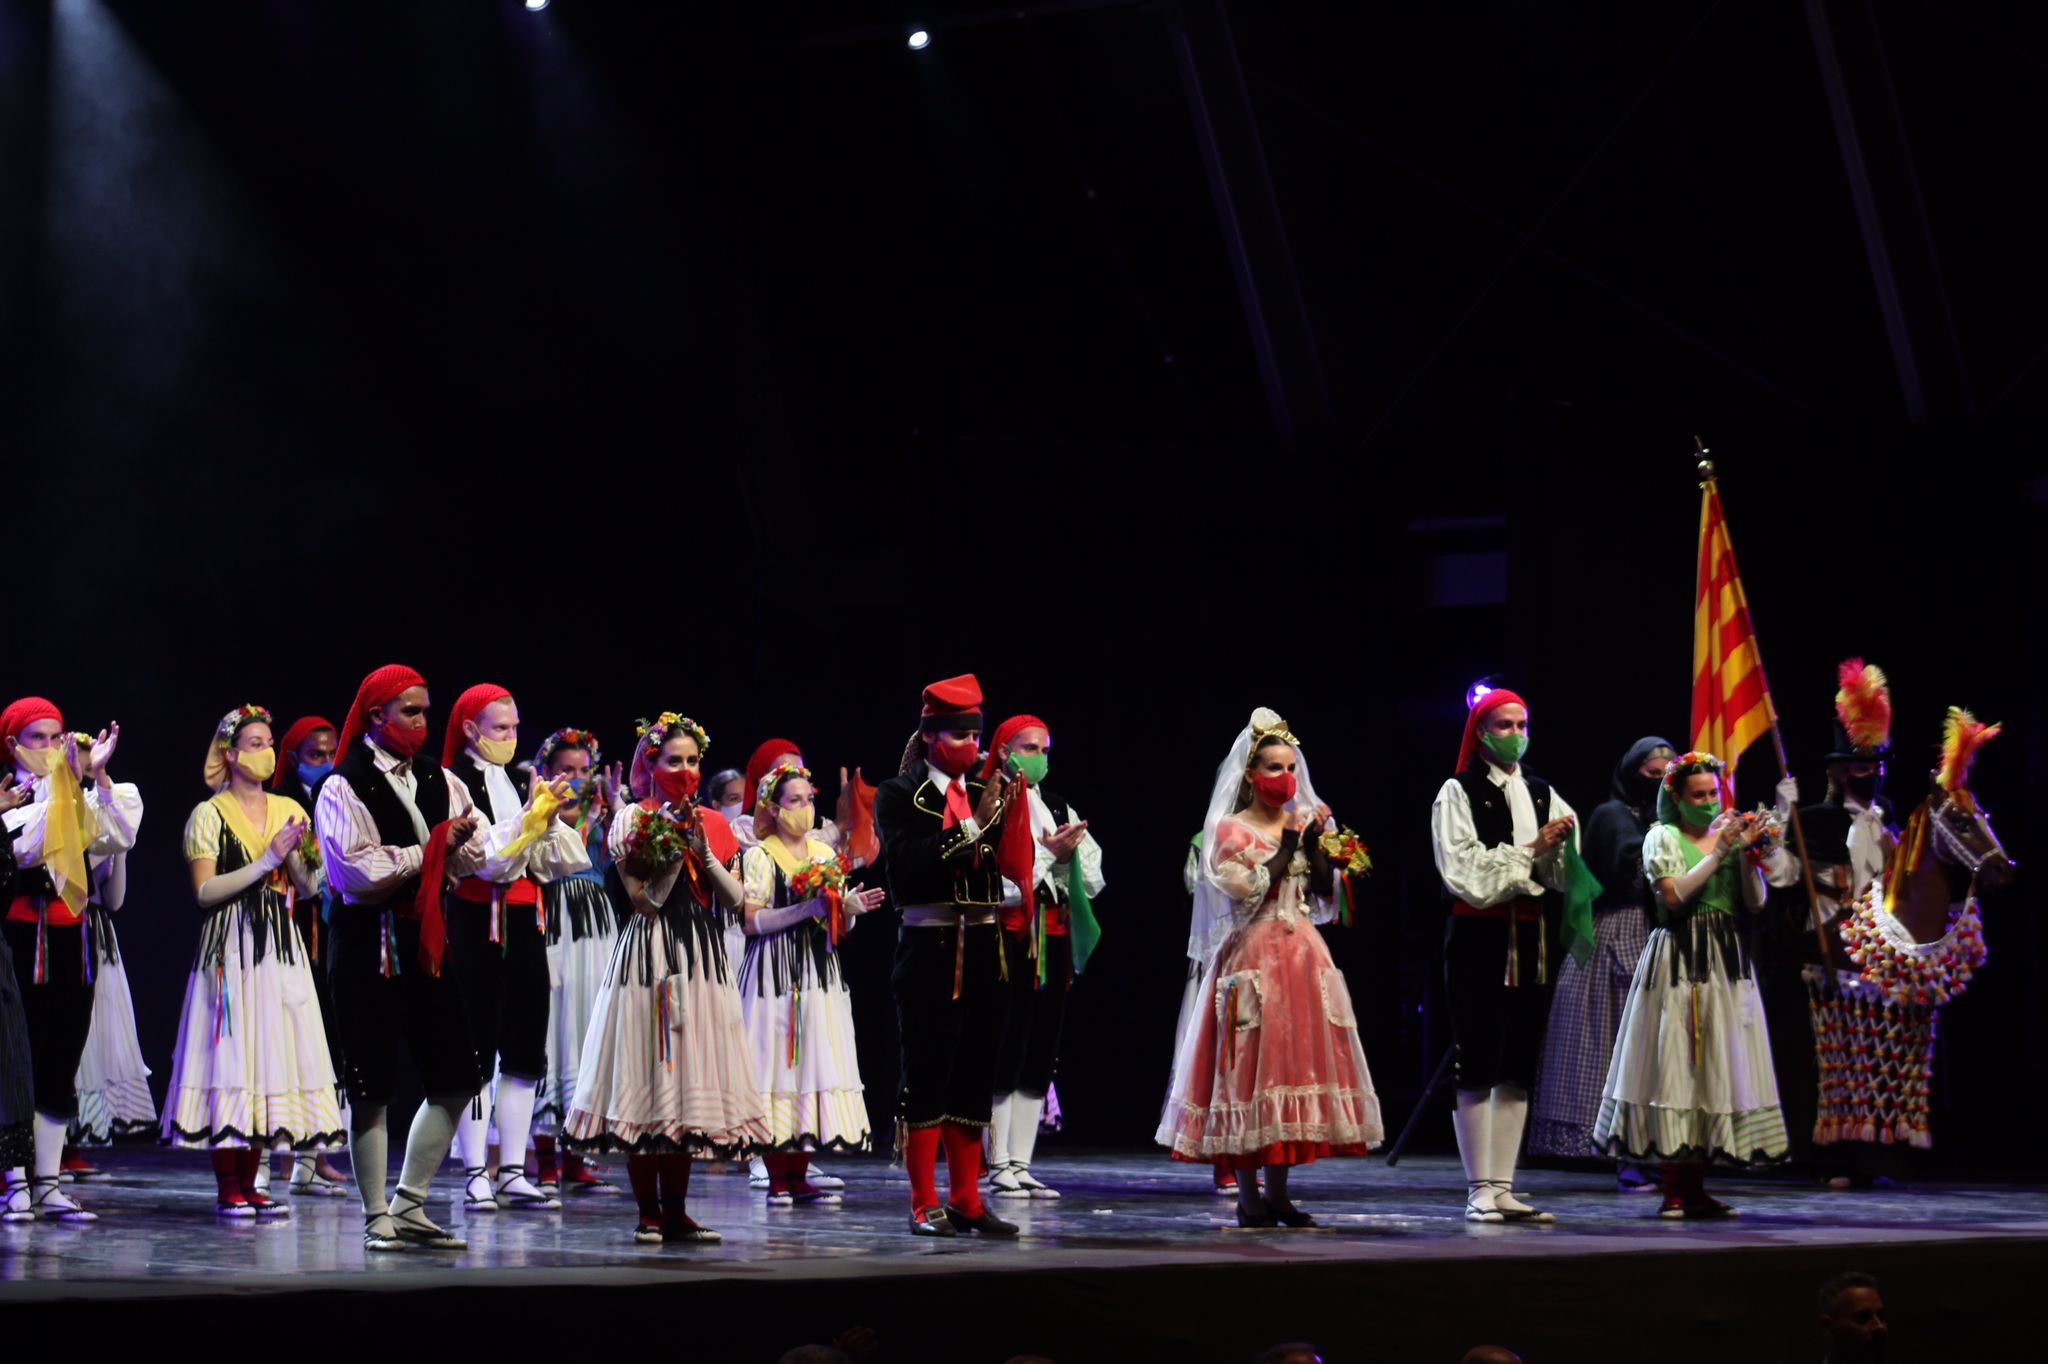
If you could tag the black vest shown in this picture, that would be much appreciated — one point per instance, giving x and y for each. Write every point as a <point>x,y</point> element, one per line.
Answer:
<point>1491,818</point>
<point>387,810</point>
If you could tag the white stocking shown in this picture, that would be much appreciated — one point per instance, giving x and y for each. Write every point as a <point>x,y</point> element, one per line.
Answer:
<point>472,1138</point>
<point>1474,1124</point>
<point>515,1121</point>
<point>49,1136</point>
<point>426,1145</point>
<point>999,1132</point>
<point>1510,1114</point>
<point>1025,1112</point>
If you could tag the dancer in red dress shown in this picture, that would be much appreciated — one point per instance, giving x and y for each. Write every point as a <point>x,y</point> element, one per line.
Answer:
<point>1274,1074</point>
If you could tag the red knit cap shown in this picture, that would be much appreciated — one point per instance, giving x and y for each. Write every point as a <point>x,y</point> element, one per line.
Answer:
<point>758,765</point>
<point>955,696</point>
<point>1486,705</point>
<point>19,715</point>
<point>388,683</point>
<point>1006,731</point>
<point>303,728</point>
<point>468,706</point>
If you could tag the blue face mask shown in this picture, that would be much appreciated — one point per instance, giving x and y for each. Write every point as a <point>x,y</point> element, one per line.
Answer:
<point>311,773</point>
<point>576,785</point>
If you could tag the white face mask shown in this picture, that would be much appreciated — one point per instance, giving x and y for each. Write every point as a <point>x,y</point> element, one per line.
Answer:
<point>731,811</point>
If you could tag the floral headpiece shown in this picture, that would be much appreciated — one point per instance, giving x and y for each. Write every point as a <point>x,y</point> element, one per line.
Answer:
<point>667,726</point>
<point>231,723</point>
<point>567,738</point>
<point>1691,764</point>
<point>764,794</point>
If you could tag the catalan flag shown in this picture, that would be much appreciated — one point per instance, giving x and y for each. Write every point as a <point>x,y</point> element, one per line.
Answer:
<point>1731,702</point>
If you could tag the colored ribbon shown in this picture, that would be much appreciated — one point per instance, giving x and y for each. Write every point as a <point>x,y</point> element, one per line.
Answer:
<point>1038,948</point>
<point>662,1045</point>
<point>223,1017</point>
<point>960,956</point>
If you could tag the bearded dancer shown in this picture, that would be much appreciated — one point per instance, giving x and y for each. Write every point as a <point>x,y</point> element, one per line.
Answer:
<point>393,832</point>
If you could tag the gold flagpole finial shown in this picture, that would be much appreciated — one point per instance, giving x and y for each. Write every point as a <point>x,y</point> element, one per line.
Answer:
<point>1706,466</point>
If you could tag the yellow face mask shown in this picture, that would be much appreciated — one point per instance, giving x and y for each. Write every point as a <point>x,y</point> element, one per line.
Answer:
<point>497,752</point>
<point>798,822</point>
<point>40,761</point>
<point>258,765</point>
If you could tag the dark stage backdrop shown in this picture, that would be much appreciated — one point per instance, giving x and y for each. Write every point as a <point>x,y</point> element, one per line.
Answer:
<point>635,362</point>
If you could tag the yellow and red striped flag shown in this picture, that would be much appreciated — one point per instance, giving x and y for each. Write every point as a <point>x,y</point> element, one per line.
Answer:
<point>1731,702</point>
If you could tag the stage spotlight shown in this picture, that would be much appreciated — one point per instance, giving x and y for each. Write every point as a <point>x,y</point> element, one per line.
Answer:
<point>1474,693</point>
<point>920,40</point>
<point>536,6</point>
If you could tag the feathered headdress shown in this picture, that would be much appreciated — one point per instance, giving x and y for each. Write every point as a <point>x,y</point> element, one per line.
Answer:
<point>1863,704</point>
<point>1961,737</point>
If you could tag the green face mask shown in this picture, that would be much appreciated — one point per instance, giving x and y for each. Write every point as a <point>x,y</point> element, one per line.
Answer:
<point>1507,749</point>
<point>1030,766</point>
<point>1701,815</point>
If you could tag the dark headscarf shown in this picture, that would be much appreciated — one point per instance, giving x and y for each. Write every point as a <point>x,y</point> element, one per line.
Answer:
<point>1614,834</point>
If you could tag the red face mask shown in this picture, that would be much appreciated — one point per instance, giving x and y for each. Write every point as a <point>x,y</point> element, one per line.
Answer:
<point>676,784</point>
<point>955,757</point>
<point>402,741</point>
<point>1275,788</point>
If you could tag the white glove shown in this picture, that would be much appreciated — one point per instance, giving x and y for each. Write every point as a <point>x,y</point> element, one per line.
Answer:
<point>218,890</point>
<point>1788,796</point>
<point>767,921</point>
<point>1690,884</point>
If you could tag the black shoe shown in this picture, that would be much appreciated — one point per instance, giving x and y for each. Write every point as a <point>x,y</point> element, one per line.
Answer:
<point>931,1222</point>
<point>988,1224</point>
<point>1287,1215</point>
<point>1255,1221</point>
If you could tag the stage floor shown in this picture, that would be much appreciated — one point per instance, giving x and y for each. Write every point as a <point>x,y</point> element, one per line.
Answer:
<point>1132,1253</point>
<point>157,1234</point>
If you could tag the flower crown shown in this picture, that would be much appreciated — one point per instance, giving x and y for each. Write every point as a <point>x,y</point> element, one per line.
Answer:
<point>1691,764</point>
<point>232,722</point>
<point>781,772</point>
<point>667,726</point>
<point>567,738</point>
